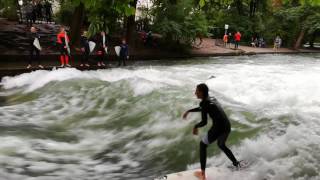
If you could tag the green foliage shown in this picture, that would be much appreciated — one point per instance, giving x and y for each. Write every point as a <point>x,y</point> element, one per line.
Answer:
<point>294,19</point>
<point>100,14</point>
<point>8,9</point>
<point>179,22</point>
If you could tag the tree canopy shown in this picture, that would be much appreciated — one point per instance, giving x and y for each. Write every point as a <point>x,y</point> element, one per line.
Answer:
<point>182,21</point>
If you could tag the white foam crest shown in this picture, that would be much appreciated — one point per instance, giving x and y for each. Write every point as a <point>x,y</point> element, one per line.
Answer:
<point>276,157</point>
<point>40,78</point>
<point>277,88</point>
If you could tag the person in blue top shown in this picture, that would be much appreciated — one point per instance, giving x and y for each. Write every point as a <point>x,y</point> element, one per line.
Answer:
<point>124,53</point>
<point>219,131</point>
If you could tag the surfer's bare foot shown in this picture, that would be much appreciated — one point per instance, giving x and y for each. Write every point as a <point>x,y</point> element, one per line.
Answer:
<point>29,66</point>
<point>87,65</point>
<point>200,174</point>
<point>68,65</point>
<point>81,65</point>
<point>40,66</point>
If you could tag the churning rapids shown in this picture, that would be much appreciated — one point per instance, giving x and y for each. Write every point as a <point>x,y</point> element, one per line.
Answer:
<point>119,124</point>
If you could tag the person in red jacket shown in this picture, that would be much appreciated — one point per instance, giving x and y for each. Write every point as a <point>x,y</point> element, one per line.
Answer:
<point>237,38</point>
<point>64,48</point>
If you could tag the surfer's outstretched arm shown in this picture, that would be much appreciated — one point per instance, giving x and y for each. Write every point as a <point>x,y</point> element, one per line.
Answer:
<point>185,114</point>
<point>197,109</point>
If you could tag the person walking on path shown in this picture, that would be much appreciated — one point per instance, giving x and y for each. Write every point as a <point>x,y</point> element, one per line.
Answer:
<point>124,53</point>
<point>35,47</point>
<point>219,131</point>
<point>277,43</point>
<point>237,38</point>
<point>225,40</point>
<point>64,48</point>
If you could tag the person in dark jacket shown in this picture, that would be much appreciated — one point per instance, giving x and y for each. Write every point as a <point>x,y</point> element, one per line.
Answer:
<point>85,49</point>
<point>124,53</point>
<point>102,45</point>
<point>34,50</point>
<point>219,131</point>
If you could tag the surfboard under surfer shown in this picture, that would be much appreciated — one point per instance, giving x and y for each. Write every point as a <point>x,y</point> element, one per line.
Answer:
<point>219,131</point>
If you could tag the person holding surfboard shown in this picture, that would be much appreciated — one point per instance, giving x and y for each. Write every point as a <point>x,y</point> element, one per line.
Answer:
<point>102,48</point>
<point>64,48</point>
<point>35,47</point>
<point>85,49</point>
<point>219,131</point>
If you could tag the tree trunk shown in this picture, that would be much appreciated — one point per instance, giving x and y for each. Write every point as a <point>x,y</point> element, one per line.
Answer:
<point>239,6</point>
<point>76,24</point>
<point>298,43</point>
<point>131,24</point>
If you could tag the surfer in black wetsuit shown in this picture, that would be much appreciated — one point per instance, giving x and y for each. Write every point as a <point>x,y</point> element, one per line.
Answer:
<point>219,131</point>
<point>85,49</point>
<point>34,51</point>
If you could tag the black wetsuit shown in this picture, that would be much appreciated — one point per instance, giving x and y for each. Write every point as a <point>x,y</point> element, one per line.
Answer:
<point>100,49</point>
<point>33,49</point>
<point>85,54</point>
<point>219,131</point>
<point>124,53</point>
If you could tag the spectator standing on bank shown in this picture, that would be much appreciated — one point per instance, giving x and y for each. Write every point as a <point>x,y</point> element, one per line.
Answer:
<point>35,48</point>
<point>34,12</point>
<point>277,43</point>
<point>225,40</point>
<point>124,53</point>
<point>229,40</point>
<point>39,8</point>
<point>237,38</point>
<point>102,47</point>
<point>64,48</point>
<point>48,11</point>
<point>85,49</point>
<point>29,11</point>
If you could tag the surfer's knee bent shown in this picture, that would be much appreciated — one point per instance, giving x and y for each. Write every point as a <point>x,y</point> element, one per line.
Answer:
<point>221,144</point>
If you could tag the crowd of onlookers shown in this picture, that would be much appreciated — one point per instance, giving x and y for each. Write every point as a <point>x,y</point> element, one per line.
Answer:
<point>96,46</point>
<point>37,11</point>
<point>228,39</point>
<point>255,41</point>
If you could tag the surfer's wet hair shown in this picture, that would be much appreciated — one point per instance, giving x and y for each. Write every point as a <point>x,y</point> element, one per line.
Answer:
<point>204,89</point>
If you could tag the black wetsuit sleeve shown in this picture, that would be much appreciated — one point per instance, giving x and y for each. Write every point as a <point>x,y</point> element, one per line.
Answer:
<point>198,109</point>
<point>127,50</point>
<point>82,42</point>
<point>204,120</point>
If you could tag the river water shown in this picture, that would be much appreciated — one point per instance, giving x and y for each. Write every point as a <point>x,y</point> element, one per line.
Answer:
<point>125,123</point>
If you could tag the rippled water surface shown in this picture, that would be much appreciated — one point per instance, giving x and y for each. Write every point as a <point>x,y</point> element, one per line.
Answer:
<point>126,123</point>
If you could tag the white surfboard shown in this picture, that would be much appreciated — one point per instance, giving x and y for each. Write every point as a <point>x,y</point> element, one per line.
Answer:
<point>213,173</point>
<point>117,49</point>
<point>36,43</point>
<point>106,50</point>
<point>92,45</point>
